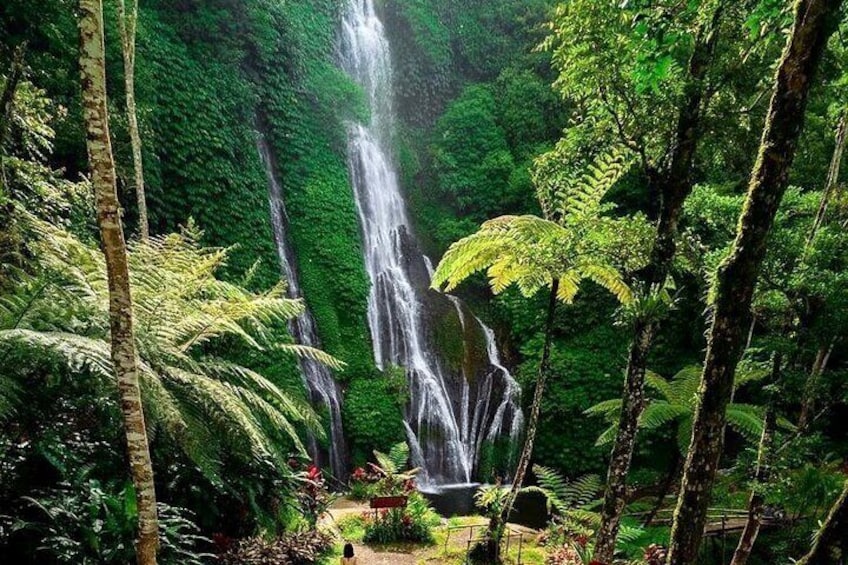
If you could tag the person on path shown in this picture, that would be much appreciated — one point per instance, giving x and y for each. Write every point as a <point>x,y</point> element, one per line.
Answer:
<point>348,557</point>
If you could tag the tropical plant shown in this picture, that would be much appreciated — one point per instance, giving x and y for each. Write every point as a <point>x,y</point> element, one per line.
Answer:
<point>297,548</point>
<point>674,404</point>
<point>391,472</point>
<point>577,240</point>
<point>490,499</point>
<point>208,404</point>
<point>414,522</point>
<point>84,521</point>
<point>574,519</point>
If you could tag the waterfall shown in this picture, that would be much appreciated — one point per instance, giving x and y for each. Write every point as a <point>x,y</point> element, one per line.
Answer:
<point>324,391</point>
<point>451,411</point>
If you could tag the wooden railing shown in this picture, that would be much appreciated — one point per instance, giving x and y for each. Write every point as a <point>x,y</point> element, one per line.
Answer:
<point>471,540</point>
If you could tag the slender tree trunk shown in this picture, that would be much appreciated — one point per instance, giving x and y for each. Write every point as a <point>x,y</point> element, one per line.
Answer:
<point>737,276</point>
<point>808,403</point>
<point>830,184</point>
<point>533,421</point>
<point>127,24</point>
<point>831,545</point>
<point>7,104</point>
<point>668,483</point>
<point>633,401</point>
<point>93,70</point>
<point>675,185</point>
<point>756,503</point>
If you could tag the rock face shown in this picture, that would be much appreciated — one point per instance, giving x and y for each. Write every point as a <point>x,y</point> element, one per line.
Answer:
<point>461,397</point>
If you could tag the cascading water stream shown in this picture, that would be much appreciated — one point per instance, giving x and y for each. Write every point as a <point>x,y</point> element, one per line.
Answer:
<point>324,391</point>
<point>452,410</point>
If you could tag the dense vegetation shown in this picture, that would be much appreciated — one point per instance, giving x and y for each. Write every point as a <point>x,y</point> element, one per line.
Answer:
<point>610,185</point>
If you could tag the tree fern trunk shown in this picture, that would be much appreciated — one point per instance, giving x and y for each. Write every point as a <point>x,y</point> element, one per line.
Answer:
<point>615,496</point>
<point>831,545</point>
<point>93,70</point>
<point>814,20</point>
<point>756,503</point>
<point>533,420</point>
<point>127,25</point>
<point>675,185</point>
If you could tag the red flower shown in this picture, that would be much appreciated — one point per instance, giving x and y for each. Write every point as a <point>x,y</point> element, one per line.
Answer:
<point>582,540</point>
<point>313,473</point>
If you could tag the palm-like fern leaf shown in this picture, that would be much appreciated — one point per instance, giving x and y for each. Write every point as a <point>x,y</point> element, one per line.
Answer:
<point>573,243</point>
<point>207,405</point>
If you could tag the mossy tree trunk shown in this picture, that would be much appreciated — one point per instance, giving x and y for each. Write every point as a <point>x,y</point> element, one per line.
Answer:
<point>535,409</point>
<point>7,105</point>
<point>831,545</point>
<point>127,23</point>
<point>737,276</point>
<point>124,357</point>
<point>674,185</point>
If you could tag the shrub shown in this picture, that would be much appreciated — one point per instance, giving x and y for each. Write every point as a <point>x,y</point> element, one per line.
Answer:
<point>88,522</point>
<point>303,548</point>
<point>361,487</point>
<point>313,497</point>
<point>413,523</point>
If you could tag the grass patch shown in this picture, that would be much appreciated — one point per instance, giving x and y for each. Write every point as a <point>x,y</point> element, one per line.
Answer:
<point>352,527</point>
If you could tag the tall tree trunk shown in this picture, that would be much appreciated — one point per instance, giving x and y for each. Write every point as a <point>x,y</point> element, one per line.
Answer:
<point>7,104</point>
<point>93,71</point>
<point>830,188</point>
<point>675,185</point>
<point>808,403</point>
<point>737,276</point>
<point>127,24</point>
<point>830,184</point>
<point>756,502</point>
<point>831,545</point>
<point>533,421</point>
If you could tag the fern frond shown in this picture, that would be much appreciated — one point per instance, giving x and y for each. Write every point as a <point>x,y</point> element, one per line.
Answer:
<point>313,354</point>
<point>607,408</point>
<point>660,413</point>
<point>746,419</point>
<point>658,383</point>
<point>685,385</point>
<point>607,436</point>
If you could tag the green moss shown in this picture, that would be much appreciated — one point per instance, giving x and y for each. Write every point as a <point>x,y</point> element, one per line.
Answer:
<point>372,418</point>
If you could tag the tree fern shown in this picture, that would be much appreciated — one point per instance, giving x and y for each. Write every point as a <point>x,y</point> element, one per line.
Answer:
<point>576,241</point>
<point>564,496</point>
<point>56,321</point>
<point>674,404</point>
<point>394,463</point>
